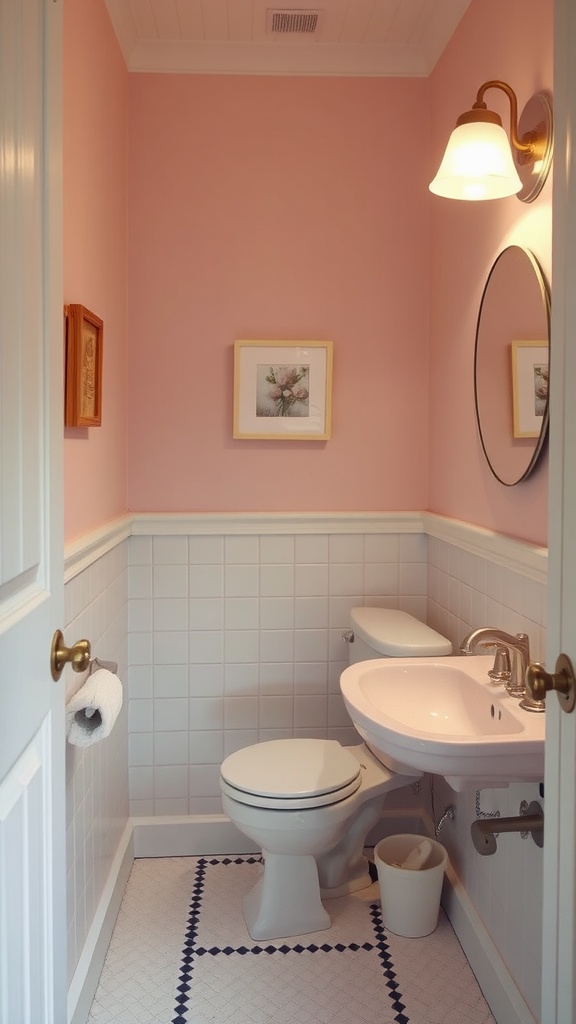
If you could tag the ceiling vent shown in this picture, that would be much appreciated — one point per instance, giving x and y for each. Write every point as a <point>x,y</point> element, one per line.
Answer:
<point>285,21</point>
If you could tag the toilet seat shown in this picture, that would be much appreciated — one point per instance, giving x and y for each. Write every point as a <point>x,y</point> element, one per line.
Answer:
<point>291,774</point>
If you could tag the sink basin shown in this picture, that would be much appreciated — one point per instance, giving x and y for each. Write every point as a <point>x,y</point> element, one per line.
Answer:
<point>444,716</point>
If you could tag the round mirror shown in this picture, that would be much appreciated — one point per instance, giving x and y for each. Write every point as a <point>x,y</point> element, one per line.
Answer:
<point>511,365</point>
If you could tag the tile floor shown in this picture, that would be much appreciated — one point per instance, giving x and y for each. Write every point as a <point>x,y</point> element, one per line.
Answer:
<point>181,954</point>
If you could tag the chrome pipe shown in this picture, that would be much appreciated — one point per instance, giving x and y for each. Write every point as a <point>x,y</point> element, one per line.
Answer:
<point>484,831</point>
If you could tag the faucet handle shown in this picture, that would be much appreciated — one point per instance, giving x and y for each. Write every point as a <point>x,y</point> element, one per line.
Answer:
<point>501,671</point>
<point>525,644</point>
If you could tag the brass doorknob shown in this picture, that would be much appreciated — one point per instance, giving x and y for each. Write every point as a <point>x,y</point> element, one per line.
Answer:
<point>539,682</point>
<point>78,655</point>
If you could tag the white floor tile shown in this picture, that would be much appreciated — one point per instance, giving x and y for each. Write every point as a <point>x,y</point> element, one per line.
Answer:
<point>181,954</point>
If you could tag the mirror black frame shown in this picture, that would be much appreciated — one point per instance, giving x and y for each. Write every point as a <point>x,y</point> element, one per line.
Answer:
<point>545,293</point>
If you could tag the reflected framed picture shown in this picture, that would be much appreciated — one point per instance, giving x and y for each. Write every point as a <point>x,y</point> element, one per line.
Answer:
<point>529,386</point>
<point>83,385</point>
<point>283,390</point>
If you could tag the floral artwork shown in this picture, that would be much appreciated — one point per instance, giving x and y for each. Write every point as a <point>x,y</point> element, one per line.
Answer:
<point>529,387</point>
<point>282,390</point>
<point>83,382</point>
<point>540,389</point>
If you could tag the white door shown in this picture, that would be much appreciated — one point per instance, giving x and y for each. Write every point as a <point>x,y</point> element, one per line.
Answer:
<point>32,744</point>
<point>559,963</point>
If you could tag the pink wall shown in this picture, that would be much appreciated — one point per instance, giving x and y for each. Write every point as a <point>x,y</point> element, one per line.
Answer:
<point>280,208</point>
<point>277,208</point>
<point>510,41</point>
<point>95,141</point>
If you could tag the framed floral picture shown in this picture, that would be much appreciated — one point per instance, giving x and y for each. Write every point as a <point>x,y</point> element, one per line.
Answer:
<point>529,386</point>
<point>283,390</point>
<point>83,386</point>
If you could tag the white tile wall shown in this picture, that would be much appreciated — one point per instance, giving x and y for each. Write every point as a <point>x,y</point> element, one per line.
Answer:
<point>235,639</point>
<point>97,776</point>
<point>466,591</point>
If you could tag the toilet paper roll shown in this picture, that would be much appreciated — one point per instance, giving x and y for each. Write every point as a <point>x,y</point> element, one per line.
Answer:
<point>93,710</point>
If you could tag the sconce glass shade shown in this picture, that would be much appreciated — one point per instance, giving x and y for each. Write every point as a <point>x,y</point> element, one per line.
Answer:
<point>477,164</point>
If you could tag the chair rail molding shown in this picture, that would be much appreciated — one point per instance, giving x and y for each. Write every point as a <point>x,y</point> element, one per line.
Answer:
<point>529,559</point>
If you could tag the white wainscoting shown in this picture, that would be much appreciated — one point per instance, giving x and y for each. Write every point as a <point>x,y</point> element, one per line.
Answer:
<point>26,958</point>
<point>473,576</point>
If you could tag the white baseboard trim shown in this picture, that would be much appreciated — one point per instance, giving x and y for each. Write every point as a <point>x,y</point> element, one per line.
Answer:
<point>188,836</point>
<point>86,976</point>
<point>214,834</point>
<point>202,835</point>
<point>494,978</point>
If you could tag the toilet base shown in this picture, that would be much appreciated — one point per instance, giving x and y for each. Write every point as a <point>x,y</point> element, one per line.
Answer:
<point>286,899</point>
<point>355,883</point>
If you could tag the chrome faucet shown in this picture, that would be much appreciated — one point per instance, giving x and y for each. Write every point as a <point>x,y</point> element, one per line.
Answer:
<point>518,647</point>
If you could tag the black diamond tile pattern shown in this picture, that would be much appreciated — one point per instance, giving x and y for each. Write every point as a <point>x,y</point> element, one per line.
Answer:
<point>181,954</point>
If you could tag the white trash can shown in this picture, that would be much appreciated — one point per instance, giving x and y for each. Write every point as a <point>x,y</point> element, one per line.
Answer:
<point>410,898</point>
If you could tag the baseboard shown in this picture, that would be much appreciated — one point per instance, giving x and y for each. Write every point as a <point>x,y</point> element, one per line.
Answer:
<point>188,836</point>
<point>85,981</point>
<point>201,835</point>
<point>494,978</point>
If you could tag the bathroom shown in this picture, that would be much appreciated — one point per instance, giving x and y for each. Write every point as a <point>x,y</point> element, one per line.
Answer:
<point>193,244</point>
<point>210,269</point>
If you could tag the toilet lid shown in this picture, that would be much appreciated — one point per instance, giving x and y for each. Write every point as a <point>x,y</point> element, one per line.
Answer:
<point>396,634</point>
<point>291,773</point>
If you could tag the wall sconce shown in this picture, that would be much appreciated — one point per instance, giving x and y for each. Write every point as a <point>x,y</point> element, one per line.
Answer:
<point>479,163</point>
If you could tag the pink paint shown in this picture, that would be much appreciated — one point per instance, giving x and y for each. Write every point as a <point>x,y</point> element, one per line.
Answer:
<point>511,41</point>
<point>94,167</point>
<point>274,208</point>
<point>288,208</point>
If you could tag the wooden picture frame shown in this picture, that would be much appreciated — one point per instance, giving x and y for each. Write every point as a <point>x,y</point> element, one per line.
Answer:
<point>529,386</point>
<point>283,390</point>
<point>83,385</point>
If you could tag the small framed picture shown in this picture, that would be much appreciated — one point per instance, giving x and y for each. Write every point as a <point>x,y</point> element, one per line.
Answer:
<point>83,387</point>
<point>283,390</point>
<point>529,386</point>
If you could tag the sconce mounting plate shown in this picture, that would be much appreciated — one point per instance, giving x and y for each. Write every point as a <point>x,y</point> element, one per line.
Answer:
<point>535,126</point>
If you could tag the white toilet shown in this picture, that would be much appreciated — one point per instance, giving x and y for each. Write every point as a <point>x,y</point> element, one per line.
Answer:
<point>310,803</point>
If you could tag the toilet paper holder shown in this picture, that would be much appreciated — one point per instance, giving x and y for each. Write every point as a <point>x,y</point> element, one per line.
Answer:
<point>96,663</point>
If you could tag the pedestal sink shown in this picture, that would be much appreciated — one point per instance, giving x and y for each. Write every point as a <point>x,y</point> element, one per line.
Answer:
<point>444,716</point>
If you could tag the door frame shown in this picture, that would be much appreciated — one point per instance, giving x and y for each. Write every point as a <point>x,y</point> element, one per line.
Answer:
<point>559,902</point>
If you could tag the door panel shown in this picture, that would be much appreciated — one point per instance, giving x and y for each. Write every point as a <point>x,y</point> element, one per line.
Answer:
<point>25,854</point>
<point>32,743</point>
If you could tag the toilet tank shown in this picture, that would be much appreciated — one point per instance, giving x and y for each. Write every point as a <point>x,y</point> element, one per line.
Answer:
<point>389,633</point>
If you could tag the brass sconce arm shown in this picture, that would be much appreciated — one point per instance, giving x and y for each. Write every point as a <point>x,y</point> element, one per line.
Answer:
<point>517,142</point>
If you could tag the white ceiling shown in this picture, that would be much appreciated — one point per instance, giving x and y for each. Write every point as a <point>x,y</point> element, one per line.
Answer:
<point>353,37</point>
